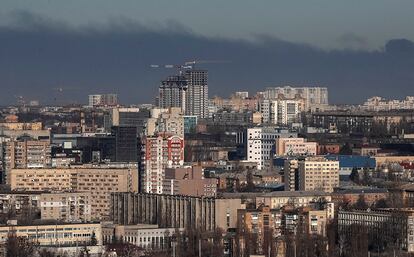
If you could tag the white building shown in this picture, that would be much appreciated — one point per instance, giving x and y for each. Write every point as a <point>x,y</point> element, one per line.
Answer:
<point>261,144</point>
<point>315,97</point>
<point>378,103</point>
<point>281,111</point>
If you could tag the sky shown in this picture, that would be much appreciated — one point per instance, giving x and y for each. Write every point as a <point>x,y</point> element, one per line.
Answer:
<point>355,48</point>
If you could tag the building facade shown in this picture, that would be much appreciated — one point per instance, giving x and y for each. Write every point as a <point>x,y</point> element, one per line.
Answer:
<point>100,182</point>
<point>161,152</point>
<point>261,144</point>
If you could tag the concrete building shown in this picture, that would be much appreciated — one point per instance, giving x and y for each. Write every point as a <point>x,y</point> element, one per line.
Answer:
<point>315,97</point>
<point>56,235</point>
<point>318,173</point>
<point>172,92</point>
<point>21,154</point>
<point>295,147</point>
<point>21,126</point>
<point>161,152</point>
<point>145,236</point>
<point>169,120</point>
<point>279,199</point>
<point>66,206</point>
<point>281,111</point>
<point>189,181</point>
<point>261,144</point>
<point>99,181</point>
<point>102,100</point>
<point>197,93</point>
<point>377,103</point>
<point>260,222</point>
<point>129,117</point>
<point>167,211</point>
<point>380,227</point>
<point>175,211</point>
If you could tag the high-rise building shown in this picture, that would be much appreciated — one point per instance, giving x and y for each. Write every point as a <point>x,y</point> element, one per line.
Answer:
<point>315,97</point>
<point>188,91</point>
<point>172,92</point>
<point>127,117</point>
<point>197,93</point>
<point>161,151</point>
<point>169,121</point>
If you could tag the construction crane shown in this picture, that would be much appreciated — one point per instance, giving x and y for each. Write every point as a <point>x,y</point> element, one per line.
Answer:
<point>187,64</point>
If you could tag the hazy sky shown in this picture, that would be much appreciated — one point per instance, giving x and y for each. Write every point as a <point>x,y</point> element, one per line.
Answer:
<point>364,24</point>
<point>355,48</point>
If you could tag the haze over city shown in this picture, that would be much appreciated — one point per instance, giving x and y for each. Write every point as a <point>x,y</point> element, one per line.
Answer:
<point>96,46</point>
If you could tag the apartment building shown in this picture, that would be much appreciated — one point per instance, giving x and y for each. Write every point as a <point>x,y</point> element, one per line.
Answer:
<point>315,97</point>
<point>318,173</point>
<point>161,152</point>
<point>295,147</point>
<point>99,181</point>
<point>281,111</point>
<point>66,206</point>
<point>26,153</point>
<point>279,199</point>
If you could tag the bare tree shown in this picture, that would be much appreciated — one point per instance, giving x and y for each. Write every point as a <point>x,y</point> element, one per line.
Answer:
<point>17,246</point>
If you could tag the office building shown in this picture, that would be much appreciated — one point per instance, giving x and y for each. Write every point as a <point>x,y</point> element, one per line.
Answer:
<point>190,124</point>
<point>161,152</point>
<point>261,144</point>
<point>126,143</point>
<point>100,181</point>
<point>127,117</point>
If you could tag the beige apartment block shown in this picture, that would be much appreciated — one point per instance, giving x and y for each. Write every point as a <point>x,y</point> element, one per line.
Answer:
<point>318,173</point>
<point>99,181</point>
